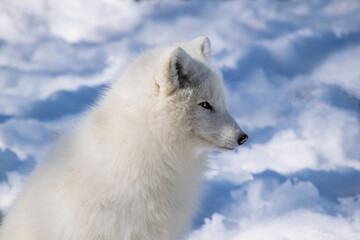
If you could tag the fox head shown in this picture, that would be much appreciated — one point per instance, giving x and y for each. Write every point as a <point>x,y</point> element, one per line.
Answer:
<point>176,95</point>
<point>191,90</point>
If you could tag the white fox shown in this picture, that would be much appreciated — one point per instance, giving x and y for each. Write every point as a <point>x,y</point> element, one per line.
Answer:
<point>131,169</point>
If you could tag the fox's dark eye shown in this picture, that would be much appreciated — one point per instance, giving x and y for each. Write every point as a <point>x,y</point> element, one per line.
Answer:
<point>206,105</point>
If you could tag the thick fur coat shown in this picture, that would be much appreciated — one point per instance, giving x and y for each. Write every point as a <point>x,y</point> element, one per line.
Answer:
<point>131,168</point>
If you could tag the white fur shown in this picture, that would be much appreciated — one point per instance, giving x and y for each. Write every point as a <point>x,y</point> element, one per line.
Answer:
<point>131,169</point>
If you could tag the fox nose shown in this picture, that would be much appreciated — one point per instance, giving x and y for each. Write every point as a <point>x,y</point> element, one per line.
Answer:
<point>243,137</point>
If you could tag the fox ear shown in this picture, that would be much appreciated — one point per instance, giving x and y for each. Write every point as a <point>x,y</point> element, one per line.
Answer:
<point>204,45</point>
<point>179,69</point>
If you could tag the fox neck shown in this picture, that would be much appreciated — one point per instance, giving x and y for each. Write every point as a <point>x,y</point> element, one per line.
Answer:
<point>148,142</point>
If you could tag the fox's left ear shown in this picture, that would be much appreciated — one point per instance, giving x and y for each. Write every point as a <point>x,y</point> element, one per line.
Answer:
<point>178,71</point>
<point>204,46</point>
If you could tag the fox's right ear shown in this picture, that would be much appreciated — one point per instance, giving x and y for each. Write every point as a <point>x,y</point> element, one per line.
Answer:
<point>178,72</point>
<point>204,46</point>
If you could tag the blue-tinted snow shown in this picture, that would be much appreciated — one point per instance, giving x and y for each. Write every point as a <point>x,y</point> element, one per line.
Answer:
<point>292,79</point>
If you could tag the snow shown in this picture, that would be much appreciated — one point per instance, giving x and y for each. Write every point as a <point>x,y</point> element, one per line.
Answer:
<point>292,80</point>
<point>289,210</point>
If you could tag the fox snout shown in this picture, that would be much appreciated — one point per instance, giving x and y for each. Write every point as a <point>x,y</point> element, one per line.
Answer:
<point>231,135</point>
<point>242,138</point>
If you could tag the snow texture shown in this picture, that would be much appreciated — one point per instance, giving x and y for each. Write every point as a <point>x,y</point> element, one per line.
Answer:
<point>292,76</point>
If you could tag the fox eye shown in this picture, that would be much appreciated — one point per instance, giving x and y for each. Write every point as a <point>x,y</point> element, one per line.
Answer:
<point>206,105</point>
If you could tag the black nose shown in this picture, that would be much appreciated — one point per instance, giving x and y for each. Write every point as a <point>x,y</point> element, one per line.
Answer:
<point>243,137</point>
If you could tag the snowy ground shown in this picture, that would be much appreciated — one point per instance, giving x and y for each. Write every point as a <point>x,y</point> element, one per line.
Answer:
<point>292,73</point>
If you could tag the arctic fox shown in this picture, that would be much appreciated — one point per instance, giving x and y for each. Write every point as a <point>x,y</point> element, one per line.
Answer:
<point>131,169</point>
